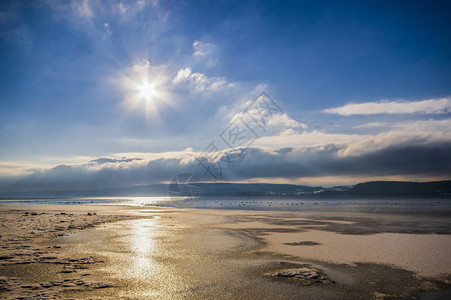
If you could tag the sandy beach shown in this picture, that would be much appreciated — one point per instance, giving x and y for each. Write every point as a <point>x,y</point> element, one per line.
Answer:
<point>110,252</point>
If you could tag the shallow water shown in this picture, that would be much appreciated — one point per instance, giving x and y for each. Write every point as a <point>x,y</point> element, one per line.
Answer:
<point>433,206</point>
<point>149,258</point>
<point>196,254</point>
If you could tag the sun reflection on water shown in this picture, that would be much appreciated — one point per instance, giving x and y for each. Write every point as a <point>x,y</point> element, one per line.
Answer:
<point>143,201</point>
<point>143,246</point>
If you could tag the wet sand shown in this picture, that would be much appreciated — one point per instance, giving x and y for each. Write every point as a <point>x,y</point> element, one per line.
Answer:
<point>168,253</point>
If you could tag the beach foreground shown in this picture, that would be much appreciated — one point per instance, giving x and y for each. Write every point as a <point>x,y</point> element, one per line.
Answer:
<point>106,252</point>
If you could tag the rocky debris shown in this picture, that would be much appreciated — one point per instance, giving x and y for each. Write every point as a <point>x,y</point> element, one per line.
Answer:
<point>304,243</point>
<point>305,276</point>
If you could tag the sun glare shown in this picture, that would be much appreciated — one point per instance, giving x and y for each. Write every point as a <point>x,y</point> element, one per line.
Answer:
<point>146,90</point>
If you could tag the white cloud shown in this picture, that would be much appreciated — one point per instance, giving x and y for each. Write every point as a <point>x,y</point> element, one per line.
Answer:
<point>293,138</point>
<point>273,126</point>
<point>442,127</point>
<point>183,74</point>
<point>12,168</point>
<point>430,125</point>
<point>411,132</point>
<point>199,81</point>
<point>283,121</point>
<point>373,125</point>
<point>431,106</point>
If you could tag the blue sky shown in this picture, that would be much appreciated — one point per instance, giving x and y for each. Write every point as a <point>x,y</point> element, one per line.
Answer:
<point>358,82</point>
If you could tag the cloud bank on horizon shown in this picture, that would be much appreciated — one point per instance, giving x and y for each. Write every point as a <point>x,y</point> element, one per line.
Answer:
<point>411,150</point>
<point>108,94</point>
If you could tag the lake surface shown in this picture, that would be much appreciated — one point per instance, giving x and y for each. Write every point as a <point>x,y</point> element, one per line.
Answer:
<point>441,206</point>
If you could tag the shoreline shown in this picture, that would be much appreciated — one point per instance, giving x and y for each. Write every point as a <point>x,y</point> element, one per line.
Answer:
<point>253,246</point>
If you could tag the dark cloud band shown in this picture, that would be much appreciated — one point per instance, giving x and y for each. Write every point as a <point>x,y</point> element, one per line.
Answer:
<point>428,160</point>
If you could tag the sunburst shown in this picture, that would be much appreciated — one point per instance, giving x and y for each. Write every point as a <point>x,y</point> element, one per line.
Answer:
<point>146,90</point>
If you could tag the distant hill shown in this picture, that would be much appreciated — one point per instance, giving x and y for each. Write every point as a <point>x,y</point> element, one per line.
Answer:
<point>367,189</point>
<point>208,189</point>
<point>400,188</point>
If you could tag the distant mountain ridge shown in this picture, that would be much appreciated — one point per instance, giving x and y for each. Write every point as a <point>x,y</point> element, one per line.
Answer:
<point>401,188</point>
<point>367,189</point>
<point>208,189</point>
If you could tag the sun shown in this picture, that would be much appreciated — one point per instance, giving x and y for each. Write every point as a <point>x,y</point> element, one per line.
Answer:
<point>146,90</point>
